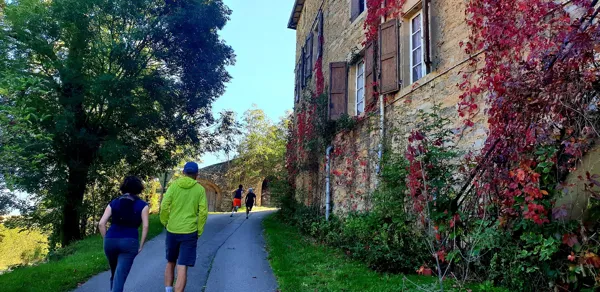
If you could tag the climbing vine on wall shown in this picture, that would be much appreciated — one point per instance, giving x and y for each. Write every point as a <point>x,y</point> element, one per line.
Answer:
<point>539,75</point>
<point>308,134</point>
<point>536,71</point>
<point>378,9</point>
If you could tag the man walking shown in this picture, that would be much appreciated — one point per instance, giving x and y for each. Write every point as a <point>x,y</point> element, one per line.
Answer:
<point>237,199</point>
<point>250,201</point>
<point>183,212</point>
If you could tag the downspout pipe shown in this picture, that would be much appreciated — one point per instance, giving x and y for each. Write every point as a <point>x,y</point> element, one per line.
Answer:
<point>381,126</point>
<point>328,182</point>
<point>381,136</point>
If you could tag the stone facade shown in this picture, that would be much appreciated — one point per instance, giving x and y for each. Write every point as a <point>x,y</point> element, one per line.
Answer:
<point>355,158</point>
<point>219,191</point>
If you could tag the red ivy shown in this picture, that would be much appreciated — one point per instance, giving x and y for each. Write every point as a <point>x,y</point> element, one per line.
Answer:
<point>536,73</point>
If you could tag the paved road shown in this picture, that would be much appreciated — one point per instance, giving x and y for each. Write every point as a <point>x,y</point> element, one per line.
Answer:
<point>231,257</point>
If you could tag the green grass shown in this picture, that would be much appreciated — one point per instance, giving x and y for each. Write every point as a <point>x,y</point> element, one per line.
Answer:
<point>301,265</point>
<point>243,210</point>
<point>68,268</point>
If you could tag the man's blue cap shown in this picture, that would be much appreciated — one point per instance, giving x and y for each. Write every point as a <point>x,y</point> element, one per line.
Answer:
<point>190,168</point>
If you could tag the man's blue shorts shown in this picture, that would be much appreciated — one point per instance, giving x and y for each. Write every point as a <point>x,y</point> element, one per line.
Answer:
<point>181,248</point>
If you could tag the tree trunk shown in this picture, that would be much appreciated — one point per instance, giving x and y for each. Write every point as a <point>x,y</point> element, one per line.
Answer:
<point>77,182</point>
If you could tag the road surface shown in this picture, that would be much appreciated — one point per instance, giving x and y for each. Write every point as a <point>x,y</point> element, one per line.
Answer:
<point>231,257</point>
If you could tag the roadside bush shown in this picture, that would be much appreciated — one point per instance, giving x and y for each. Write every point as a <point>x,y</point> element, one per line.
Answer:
<point>383,238</point>
<point>385,244</point>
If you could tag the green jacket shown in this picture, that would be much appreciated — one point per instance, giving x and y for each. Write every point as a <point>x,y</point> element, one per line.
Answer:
<point>184,208</point>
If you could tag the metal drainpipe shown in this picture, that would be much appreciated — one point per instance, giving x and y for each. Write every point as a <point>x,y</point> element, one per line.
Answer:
<point>327,183</point>
<point>381,133</point>
<point>381,125</point>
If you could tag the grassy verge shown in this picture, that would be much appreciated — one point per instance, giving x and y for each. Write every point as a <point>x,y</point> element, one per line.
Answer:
<point>68,268</point>
<point>301,265</point>
<point>242,209</point>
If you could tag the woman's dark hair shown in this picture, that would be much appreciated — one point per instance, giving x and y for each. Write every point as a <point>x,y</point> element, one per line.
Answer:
<point>241,187</point>
<point>132,185</point>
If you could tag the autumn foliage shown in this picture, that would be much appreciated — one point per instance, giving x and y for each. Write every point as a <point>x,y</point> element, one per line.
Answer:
<point>535,79</point>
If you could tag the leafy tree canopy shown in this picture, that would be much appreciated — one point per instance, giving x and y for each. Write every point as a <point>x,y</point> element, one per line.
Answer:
<point>261,151</point>
<point>88,85</point>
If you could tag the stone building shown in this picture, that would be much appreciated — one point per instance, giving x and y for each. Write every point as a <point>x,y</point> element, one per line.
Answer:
<point>415,64</point>
<point>220,191</point>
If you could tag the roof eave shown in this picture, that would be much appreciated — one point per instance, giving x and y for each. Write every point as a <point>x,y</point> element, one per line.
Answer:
<point>296,12</point>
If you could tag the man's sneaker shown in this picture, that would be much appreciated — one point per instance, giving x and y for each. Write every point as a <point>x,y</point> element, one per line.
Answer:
<point>231,215</point>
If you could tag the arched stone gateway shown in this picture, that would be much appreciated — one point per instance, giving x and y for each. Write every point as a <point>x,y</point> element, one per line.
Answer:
<point>213,195</point>
<point>219,191</point>
<point>265,192</point>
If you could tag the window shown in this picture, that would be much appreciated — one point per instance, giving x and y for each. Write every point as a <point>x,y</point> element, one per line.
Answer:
<point>362,6</point>
<point>417,68</point>
<point>360,88</point>
<point>357,7</point>
<point>308,52</point>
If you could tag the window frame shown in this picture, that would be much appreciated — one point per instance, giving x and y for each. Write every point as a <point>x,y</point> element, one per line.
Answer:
<point>356,88</point>
<point>411,49</point>
<point>353,17</point>
<point>364,6</point>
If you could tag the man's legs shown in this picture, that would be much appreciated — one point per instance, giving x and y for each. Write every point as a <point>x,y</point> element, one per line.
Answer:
<point>172,248</point>
<point>169,276</point>
<point>248,209</point>
<point>181,278</point>
<point>187,258</point>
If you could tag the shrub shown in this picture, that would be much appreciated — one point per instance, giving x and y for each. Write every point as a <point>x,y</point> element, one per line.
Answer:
<point>386,244</point>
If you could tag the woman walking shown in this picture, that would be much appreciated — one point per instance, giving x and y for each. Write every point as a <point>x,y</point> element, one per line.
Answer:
<point>121,244</point>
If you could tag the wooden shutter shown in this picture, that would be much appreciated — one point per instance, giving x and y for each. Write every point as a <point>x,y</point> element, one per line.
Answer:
<point>426,36</point>
<point>298,85</point>
<point>388,52</point>
<point>338,83</point>
<point>308,65</point>
<point>320,38</point>
<point>370,75</point>
<point>354,9</point>
<point>302,65</point>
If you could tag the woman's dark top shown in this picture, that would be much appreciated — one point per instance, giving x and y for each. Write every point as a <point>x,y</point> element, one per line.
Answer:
<point>126,217</point>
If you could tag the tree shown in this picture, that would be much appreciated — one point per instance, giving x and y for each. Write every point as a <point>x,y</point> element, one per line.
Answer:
<point>87,85</point>
<point>261,151</point>
<point>228,130</point>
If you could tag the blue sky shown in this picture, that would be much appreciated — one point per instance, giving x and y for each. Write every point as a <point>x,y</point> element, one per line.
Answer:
<point>265,50</point>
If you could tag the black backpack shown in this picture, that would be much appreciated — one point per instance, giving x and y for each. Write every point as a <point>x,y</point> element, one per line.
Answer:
<point>125,214</point>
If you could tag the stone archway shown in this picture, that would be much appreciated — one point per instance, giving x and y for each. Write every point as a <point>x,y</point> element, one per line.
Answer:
<point>213,195</point>
<point>265,192</point>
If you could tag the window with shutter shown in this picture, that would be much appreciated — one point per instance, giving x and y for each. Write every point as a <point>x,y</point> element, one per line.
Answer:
<point>388,52</point>
<point>308,64</point>
<point>338,83</point>
<point>370,76</point>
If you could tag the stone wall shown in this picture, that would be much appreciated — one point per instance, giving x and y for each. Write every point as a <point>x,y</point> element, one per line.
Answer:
<point>354,160</point>
<point>219,190</point>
